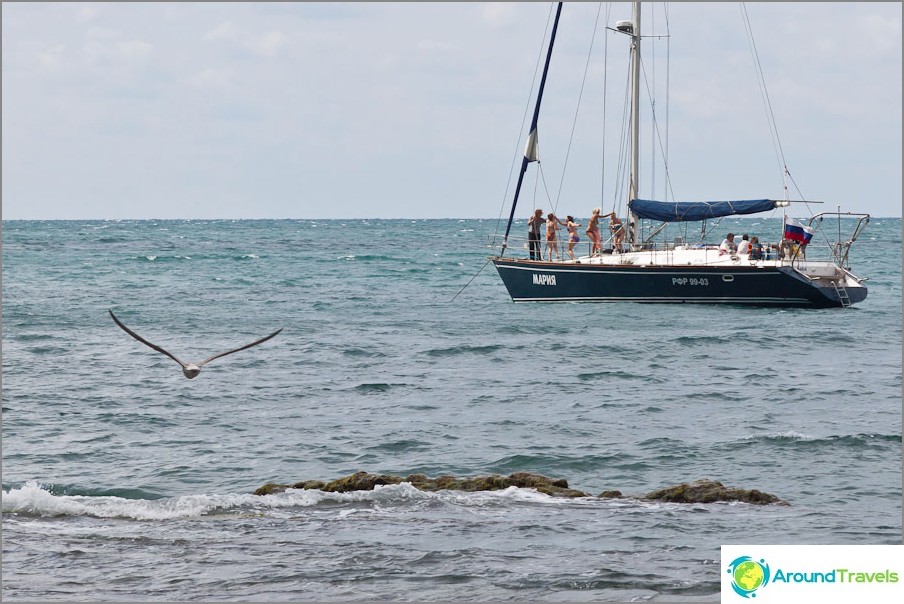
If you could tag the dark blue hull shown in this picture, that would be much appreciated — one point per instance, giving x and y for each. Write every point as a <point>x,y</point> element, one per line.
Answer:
<point>536,281</point>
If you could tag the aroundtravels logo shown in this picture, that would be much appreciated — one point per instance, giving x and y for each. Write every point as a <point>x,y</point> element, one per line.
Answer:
<point>748,575</point>
<point>811,573</point>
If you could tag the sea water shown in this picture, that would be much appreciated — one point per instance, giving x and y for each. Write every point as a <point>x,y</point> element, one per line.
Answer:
<point>122,480</point>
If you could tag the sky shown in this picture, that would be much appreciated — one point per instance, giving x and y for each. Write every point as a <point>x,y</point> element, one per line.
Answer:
<point>416,110</point>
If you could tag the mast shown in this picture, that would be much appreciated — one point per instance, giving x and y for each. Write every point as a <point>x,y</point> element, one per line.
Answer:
<point>530,150</point>
<point>635,121</point>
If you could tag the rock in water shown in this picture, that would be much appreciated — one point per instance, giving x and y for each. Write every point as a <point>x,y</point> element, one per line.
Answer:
<point>701,491</point>
<point>710,491</point>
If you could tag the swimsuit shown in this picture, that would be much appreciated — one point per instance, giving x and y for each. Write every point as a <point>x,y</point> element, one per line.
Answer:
<point>574,237</point>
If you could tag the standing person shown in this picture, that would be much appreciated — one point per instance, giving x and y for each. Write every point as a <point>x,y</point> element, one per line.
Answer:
<point>744,246</point>
<point>573,238</point>
<point>618,231</point>
<point>552,228</point>
<point>593,231</point>
<point>533,235</point>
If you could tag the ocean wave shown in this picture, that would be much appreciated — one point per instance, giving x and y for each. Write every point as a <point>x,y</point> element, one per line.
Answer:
<point>356,351</point>
<point>559,463</point>
<point>793,438</point>
<point>368,258</point>
<point>400,446</point>
<point>33,499</point>
<point>159,258</point>
<point>456,350</point>
<point>36,500</point>
<point>375,387</point>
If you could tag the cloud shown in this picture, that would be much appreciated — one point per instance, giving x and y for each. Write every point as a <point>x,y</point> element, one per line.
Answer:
<point>87,13</point>
<point>269,44</point>
<point>106,45</point>
<point>134,49</point>
<point>212,78</point>
<point>497,14</point>
<point>434,46</point>
<point>266,45</point>
<point>289,89</point>
<point>51,57</point>
<point>224,31</point>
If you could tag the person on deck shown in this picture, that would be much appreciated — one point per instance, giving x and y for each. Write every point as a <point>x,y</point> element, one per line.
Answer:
<point>573,238</point>
<point>552,228</point>
<point>756,248</point>
<point>728,246</point>
<point>593,232</point>
<point>618,231</point>
<point>744,246</point>
<point>533,235</point>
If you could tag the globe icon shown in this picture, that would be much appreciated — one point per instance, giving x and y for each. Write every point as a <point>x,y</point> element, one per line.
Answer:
<point>748,575</point>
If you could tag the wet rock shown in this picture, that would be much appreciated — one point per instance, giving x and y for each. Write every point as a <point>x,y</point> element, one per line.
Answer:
<point>271,488</point>
<point>363,481</point>
<point>701,491</point>
<point>710,491</point>
<point>610,495</point>
<point>359,481</point>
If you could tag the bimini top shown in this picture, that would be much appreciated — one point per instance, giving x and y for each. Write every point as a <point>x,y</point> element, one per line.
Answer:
<point>689,211</point>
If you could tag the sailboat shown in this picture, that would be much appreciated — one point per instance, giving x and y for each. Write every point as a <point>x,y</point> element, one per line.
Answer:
<point>796,270</point>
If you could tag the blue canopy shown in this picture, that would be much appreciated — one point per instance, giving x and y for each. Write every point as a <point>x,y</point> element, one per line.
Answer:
<point>689,211</point>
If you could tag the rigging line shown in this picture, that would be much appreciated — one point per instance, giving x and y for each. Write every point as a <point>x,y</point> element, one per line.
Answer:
<point>770,114</point>
<point>764,93</point>
<point>517,154</point>
<point>656,132</point>
<point>469,281</point>
<point>554,204</point>
<point>605,102</point>
<point>668,90</point>
<point>652,95</point>
<point>577,109</point>
<point>530,153</point>
<point>621,167</point>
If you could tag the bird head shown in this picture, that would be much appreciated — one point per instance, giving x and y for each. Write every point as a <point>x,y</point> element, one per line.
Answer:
<point>191,371</point>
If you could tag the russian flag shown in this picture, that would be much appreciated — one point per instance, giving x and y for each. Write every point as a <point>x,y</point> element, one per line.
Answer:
<point>795,231</point>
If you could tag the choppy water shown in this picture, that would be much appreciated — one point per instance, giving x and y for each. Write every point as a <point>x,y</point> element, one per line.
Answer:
<point>124,480</point>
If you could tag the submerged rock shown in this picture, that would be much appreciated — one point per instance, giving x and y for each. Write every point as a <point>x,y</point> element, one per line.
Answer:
<point>701,491</point>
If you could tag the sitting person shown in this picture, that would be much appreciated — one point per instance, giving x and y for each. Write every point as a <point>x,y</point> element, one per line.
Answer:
<point>756,248</point>
<point>728,246</point>
<point>744,246</point>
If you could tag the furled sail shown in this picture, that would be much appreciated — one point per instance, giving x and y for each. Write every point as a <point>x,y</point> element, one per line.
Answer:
<point>689,211</point>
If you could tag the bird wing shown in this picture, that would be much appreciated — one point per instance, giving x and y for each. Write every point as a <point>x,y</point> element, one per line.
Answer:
<point>254,343</point>
<point>143,341</point>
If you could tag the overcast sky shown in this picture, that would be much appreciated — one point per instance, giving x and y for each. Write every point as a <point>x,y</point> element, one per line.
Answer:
<point>414,110</point>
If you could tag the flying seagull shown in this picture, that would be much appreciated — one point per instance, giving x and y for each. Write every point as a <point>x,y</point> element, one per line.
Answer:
<point>190,370</point>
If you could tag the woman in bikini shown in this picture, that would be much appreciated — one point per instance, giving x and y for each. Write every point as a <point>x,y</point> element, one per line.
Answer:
<point>572,235</point>
<point>593,231</point>
<point>552,226</point>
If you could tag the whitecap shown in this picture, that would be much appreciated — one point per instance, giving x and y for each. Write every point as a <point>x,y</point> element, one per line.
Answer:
<point>33,499</point>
